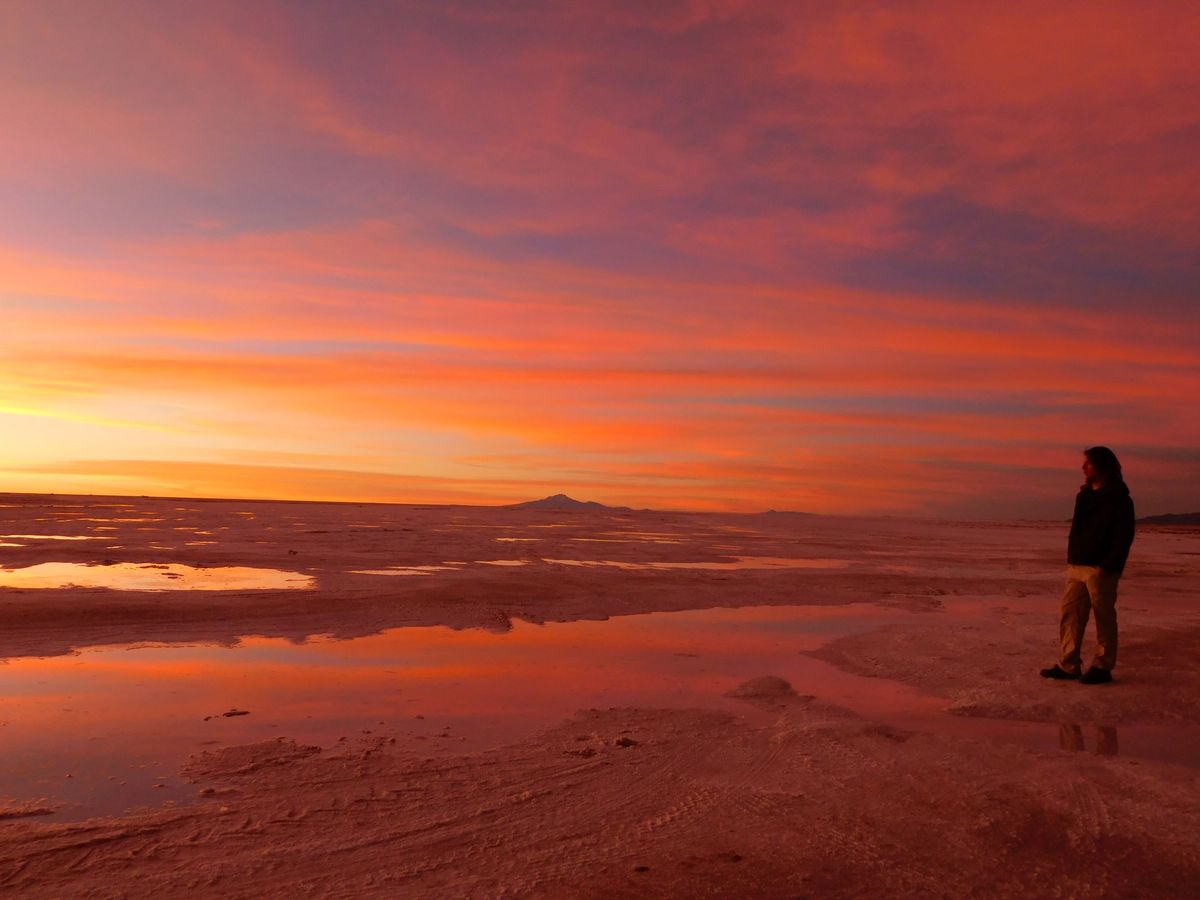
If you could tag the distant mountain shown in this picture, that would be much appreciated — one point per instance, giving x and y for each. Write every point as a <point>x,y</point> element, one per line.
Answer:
<point>1192,518</point>
<point>563,503</point>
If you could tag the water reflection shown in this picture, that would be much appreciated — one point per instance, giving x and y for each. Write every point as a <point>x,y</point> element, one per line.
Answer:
<point>51,537</point>
<point>405,570</point>
<point>151,577</point>
<point>1070,738</point>
<point>116,519</point>
<point>740,562</point>
<point>646,537</point>
<point>122,720</point>
<point>448,566</point>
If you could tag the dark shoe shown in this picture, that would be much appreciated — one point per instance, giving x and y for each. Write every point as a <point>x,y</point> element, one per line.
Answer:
<point>1059,674</point>
<point>1096,675</point>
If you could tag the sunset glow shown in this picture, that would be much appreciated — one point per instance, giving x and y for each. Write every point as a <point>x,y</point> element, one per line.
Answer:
<point>727,255</point>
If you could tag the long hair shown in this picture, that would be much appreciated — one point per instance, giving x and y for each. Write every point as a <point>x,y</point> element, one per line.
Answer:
<point>1106,463</point>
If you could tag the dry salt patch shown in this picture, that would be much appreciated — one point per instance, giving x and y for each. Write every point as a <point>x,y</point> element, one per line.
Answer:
<point>152,577</point>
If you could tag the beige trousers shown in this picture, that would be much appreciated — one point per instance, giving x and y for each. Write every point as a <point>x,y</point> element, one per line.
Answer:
<point>1089,589</point>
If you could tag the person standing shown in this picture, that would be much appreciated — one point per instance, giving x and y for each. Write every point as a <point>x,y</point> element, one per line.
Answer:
<point>1097,548</point>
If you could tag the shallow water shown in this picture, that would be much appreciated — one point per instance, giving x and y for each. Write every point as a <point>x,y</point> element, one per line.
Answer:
<point>151,577</point>
<point>738,563</point>
<point>405,570</point>
<point>106,730</point>
<point>121,720</point>
<point>51,537</point>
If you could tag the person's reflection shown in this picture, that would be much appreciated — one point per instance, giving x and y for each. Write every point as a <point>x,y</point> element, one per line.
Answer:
<point>1070,738</point>
<point>1106,740</point>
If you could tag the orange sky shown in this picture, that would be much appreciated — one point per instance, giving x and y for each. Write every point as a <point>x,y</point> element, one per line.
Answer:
<point>839,257</point>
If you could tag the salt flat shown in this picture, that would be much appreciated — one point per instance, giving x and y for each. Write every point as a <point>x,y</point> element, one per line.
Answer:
<point>467,701</point>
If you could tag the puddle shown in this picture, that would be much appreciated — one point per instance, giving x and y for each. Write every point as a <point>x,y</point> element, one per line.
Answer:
<point>649,537</point>
<point>116,519</point>
<point>52,537</point>
<point>122,720</point>
<point>516,539</point>
<point>652,534</point>
<point>405,570</point>
<point>741,562</point>
<point>10,544</point>
<point>151,577</point>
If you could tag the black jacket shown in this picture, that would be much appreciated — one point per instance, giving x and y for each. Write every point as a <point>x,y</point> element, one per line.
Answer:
<point>1102,528</point>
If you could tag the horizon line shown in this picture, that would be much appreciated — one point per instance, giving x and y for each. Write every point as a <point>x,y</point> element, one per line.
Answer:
<point>690,512</point>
